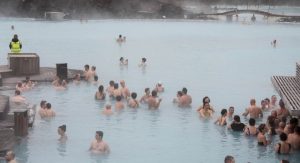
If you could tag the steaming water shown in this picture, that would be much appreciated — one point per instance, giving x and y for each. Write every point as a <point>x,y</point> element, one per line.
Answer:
<point>230,63</point>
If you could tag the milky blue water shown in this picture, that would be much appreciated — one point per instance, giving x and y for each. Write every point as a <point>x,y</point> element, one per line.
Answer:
<point>229,62</point>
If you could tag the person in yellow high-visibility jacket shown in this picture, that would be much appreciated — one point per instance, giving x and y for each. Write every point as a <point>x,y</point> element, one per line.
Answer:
<point>15,45</point>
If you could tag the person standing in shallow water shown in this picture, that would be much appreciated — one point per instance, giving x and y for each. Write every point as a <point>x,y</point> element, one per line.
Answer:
<point>222,119</point>
<point>98,145</point>
<point>62,132</point>
<point>15,45</point>
<point>153,102</point>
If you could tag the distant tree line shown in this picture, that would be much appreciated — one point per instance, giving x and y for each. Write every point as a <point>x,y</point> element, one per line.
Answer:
<point>81,8</point>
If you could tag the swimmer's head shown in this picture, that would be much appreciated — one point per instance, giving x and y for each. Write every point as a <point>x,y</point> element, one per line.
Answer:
<point>121,59</point>
<point>100,88</point>
<point>63,128</point>
<point>111,83</point>
<point>237,118</point>
<point>95,78</point>
<point>252,102</point>
<point>252,122</point>
<point>15,36</point>
<point>17,92</point>
<point>281,103</point>
<point>43,104</point>
<point>108,105</point>
<point>93,68</point>
<point>86,67</point>
<point>133,95</point>
<point>116,86</point>
<point>144,60</point>
<point>120,36</point>
<point>122,82</point>
<point>179,93</point>
<point>99,134</point>
<point>223,112</point>
<point>48,106</point>
<point>261,127</point>
<point>154,93</point>
<point>283,136</point>
<point>147,90</point>
<point>206,99</point>
<point>19,84</point>
<point>118,98</point>
<point>184,90</point>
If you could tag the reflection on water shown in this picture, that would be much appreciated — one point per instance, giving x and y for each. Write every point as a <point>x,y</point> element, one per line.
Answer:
<point>62,148</point>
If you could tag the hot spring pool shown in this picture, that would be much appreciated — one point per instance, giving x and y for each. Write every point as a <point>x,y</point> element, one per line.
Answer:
<point>230,63</point>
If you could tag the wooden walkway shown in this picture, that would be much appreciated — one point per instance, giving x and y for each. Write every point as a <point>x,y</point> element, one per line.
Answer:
<point>288,87</point>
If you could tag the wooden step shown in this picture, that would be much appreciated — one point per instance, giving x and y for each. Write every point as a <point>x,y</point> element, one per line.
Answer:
<point>5,71</point>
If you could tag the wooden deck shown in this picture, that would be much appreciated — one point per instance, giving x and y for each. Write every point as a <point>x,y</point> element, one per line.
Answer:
<point>288,87</point>
<point>46,74</point>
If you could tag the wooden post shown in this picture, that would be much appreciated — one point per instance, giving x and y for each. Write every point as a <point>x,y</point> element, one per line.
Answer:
<point>21,122</point>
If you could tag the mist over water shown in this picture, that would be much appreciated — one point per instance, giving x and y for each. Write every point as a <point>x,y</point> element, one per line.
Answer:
<point>229,62</point>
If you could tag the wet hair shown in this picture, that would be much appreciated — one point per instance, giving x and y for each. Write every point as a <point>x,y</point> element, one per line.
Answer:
<point>63,127</point>
<point>43,102</point>
<point>116,85</point>
<point>231,107</point>
<point>204,99</point>
<point>100,88</point>
<point>294,121</point>
<point>267,100</point>
<point>283,136</point>
<point>87,66</point>
<point>228,159</point>
<point>17,92</point>
<point>154,93</point>
<point>15,36</point>
<point>133,95</point>
<point>179,93</point>
<point>96,78</point>
<point>19,84</point>
<point>223,112</point>
<point>121,59</point>
<point>111,83</point>
<point>48,106</point>
<point>297,130</point>
<point>261,127</point>
<point>100,133</point>
<point>120,36</point>
<point>144,59</point>
<point>237,118</point>
<point>281,103</point>
<point>184,90</point>
<point>93,67</point>
<point>252,122</point>
<point>252,101</point>
<point>147,89</point>
<point>118,98</point>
